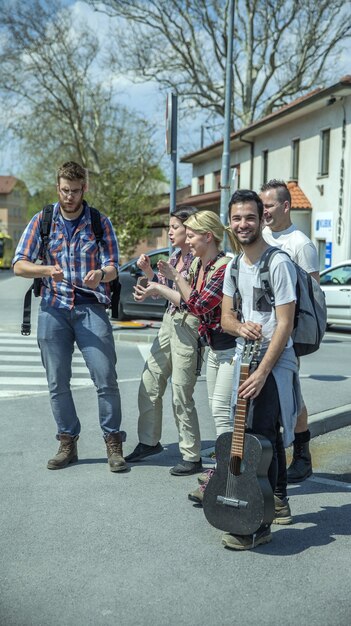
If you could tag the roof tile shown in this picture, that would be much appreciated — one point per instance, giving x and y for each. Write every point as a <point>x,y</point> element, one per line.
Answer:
<point>7,183</point>
<point>298,198</point>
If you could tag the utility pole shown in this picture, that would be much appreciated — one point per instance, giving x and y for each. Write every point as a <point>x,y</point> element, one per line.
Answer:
<point>225,172</point>
<point>171,147</point>
<point>171,143</point>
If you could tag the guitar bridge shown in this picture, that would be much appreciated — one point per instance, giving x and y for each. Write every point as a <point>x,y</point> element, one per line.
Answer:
<point>234,502</point>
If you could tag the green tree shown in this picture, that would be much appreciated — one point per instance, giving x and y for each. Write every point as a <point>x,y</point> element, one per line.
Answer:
<point>63,107</point>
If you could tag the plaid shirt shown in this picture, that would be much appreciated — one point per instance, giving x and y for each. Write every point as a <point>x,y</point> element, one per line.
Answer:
<point>76,257</point>
<point>184,271</point>
<point>206,303</point>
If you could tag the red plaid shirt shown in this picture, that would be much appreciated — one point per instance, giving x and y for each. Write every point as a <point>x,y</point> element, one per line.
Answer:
<point>184,271</point>
<point>206,303</point>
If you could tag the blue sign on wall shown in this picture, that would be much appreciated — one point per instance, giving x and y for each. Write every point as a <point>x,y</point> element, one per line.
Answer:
<point>328,254</point>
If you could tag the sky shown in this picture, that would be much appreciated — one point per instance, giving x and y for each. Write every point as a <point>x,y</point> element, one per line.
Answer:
<point>144,98</point>
<point>147,100</point>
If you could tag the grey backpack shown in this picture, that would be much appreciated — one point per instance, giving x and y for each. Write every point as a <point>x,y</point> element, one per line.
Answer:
<point>310,320</point>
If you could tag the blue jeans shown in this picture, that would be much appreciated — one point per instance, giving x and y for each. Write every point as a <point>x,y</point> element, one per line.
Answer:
<point>87,325</point>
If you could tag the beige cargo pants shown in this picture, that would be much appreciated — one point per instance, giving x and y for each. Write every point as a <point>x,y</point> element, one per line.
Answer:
<point>173,354</point>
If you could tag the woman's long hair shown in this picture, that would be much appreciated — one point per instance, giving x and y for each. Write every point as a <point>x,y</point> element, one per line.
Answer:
<point>208,221</point>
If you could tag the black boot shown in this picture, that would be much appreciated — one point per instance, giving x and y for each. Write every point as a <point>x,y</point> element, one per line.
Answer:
<point>301,464</point>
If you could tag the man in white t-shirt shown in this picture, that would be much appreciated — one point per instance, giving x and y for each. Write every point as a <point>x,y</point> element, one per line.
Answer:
<point>273,387</point>
<point>280,232</point>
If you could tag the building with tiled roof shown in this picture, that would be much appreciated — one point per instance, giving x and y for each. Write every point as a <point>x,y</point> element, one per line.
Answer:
<point>7,184</point>
<point>307,143</point>
<point>14,197</point>
<point>299,200</point>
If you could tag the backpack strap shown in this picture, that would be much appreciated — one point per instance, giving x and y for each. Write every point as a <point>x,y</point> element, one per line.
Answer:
<point>27,305</point>
<point>115,285</point>
<point>223,260</point>
<point>95,217</point>
<point>234,274</point>
<point>45,226</point>
<point>192,270</point>
<point>265,263</point>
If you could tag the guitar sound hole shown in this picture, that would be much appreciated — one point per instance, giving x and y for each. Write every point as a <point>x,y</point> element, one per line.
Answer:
<point>235,465</point>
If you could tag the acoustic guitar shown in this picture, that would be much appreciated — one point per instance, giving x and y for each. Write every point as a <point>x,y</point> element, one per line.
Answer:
<point>238,497</point>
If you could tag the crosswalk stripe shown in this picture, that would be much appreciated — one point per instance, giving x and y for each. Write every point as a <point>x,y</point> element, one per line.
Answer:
<point>24,343</point>
<point>22,372</point>
<point>21,369</point>
<point>35,358</point>
<point>38,369</point>
<point>39,382</point>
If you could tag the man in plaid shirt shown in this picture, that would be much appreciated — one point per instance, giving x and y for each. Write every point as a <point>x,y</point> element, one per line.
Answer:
<point>75,273</point>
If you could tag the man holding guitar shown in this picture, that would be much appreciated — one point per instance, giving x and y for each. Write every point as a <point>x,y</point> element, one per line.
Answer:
<point>272,390</point>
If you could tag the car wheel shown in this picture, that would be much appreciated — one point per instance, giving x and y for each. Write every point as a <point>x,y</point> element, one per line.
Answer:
<point>121,315</point>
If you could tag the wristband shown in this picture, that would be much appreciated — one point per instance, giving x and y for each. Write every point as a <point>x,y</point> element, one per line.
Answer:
<point>103,274</point>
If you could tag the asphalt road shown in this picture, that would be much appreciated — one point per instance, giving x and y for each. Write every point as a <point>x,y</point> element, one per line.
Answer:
<point>87,547</point>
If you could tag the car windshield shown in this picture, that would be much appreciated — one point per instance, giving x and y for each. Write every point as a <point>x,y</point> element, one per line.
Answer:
<point>155,258</point>
<point>337,276</point>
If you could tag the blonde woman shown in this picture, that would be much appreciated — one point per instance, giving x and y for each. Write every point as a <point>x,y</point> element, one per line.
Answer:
<point>202,297</point>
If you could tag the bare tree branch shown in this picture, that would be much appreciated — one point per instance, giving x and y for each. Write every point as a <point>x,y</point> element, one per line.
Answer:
<point>61,111</point>
<point>282,48</point>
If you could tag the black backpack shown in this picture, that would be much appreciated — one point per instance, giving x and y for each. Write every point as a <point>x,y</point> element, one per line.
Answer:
<point>310,319</point>
<point>115,285</point>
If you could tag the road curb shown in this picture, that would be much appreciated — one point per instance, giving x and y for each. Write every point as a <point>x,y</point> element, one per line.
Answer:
<point>326,421</point>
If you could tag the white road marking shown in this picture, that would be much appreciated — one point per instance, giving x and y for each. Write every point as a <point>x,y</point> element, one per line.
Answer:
<point>144,349</point>
<point>329,481</point>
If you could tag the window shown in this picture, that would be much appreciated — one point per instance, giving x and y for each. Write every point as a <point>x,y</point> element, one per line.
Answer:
<point>236,183</point>
<point>337,276</point>
<point>325,148</point>
<point>201,184</point>
<point>264,166</point>
<point>295,159</point>
<point>217,177</point>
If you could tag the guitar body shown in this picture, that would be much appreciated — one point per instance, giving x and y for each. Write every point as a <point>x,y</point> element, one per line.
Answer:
<point>240,504</point>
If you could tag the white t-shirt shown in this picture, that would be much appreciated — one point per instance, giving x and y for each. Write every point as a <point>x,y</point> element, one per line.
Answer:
<point>299,247</point>
<point>283,281</point>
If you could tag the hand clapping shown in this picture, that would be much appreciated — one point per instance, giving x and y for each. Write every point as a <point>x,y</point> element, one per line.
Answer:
<point>167,270</point>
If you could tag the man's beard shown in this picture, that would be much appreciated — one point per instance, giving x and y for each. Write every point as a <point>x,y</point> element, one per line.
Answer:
<point>250,238</point>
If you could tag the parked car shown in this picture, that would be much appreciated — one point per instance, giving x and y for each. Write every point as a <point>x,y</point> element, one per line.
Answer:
<point>129,273</point>
<point>336,284</point>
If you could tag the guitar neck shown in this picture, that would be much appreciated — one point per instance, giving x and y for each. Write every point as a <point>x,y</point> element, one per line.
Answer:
<point>237,447</point>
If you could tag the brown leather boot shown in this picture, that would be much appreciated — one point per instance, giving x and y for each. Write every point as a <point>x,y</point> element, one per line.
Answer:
<point>114,451</point>
<point>66,454</point>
